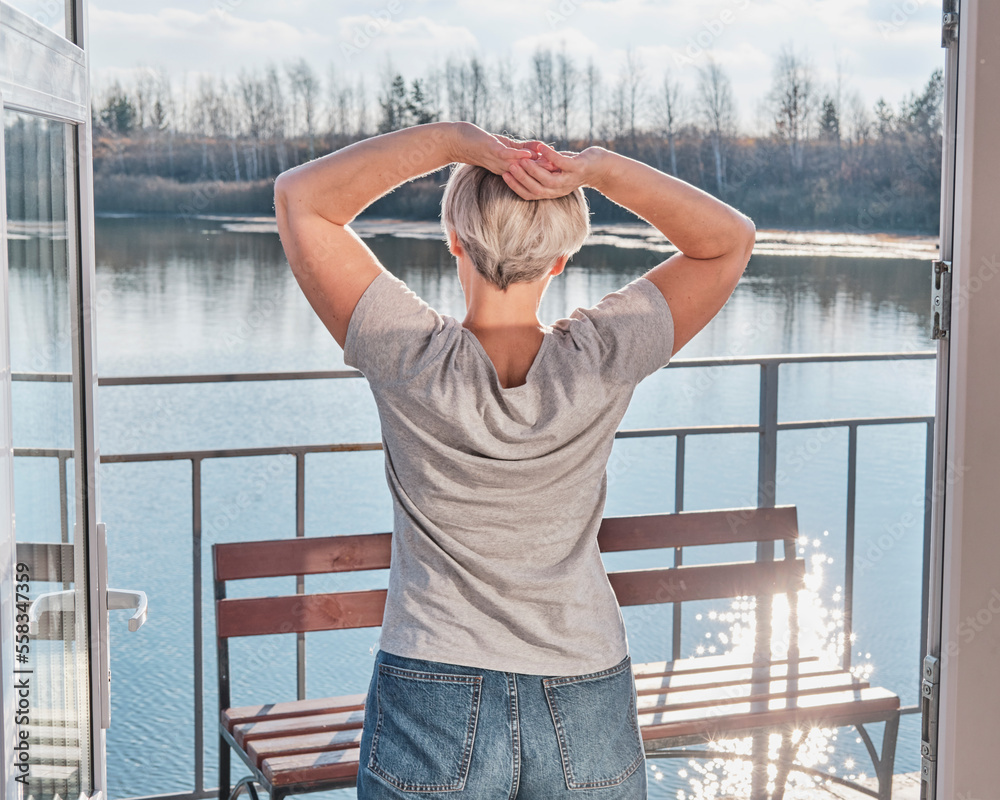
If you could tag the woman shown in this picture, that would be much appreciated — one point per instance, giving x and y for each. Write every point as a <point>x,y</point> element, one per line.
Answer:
<point>503,668</point>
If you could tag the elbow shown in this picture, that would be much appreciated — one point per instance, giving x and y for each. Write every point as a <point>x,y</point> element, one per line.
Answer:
<point>281,189</point>
<point>748,236</point>
<point>284,191</point>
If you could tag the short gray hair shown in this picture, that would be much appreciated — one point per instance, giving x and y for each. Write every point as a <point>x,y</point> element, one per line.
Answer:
<point>507,238</point>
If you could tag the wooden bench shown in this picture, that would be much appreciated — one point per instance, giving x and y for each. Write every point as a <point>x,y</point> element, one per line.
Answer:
<point>306,745</point>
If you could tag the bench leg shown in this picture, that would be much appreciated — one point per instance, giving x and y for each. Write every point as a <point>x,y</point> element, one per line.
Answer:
<point>758,773</point>
<point>223,769</point>
<point>886,763</point>
<point>249,782</point>
<point>883,763</point>
<point>786,757</point>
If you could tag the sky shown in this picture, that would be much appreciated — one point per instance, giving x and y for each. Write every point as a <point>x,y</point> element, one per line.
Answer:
<point>886,48</point>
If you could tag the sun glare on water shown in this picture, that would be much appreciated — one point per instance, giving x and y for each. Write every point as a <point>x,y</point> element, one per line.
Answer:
<point>821,633</point>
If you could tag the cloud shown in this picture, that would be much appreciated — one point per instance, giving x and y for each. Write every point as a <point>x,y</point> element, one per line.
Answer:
<point>366,40</point>
<point>888,47</point>
<point>210,40</point>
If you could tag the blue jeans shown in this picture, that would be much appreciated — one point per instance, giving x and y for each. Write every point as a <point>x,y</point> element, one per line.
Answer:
<point>435,729</point>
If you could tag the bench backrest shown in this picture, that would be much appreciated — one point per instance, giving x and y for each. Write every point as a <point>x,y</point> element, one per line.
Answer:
<point>301,613</point>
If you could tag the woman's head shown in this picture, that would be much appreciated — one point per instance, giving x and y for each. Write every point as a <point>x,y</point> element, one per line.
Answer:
<point>509,239</point>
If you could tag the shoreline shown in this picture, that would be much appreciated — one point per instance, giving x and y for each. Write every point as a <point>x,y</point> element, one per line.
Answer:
<point>809,242</point>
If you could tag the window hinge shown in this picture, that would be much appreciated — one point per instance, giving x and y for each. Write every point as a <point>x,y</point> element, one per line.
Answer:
<point>929,686</point>
<point>949,24</point>
<point>941,299</point>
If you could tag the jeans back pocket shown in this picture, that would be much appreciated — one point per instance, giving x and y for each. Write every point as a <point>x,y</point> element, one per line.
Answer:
<point>425,729</point>
<point>596,726</point>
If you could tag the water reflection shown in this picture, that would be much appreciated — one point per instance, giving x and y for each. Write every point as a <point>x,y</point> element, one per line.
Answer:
<point>199,284</point>
<point>732,632</point>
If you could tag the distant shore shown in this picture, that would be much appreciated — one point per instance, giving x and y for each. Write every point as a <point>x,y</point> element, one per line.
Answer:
<point>810,242</point>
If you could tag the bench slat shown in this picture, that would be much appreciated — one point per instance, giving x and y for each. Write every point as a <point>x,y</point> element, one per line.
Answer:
<point>312,767</point>
<point>691,528</point>
<point>829,709</point>
<point>697,697</point>
<point>314,723</point>
<point>301,556</point>
<point>638,587</point>
<point>259,749</point>
<point>342,763</point>
<point>697,664</point>
<point>292,708</point>
<point>298,613</point>
<point>715,680</point>
<point>316,555</point>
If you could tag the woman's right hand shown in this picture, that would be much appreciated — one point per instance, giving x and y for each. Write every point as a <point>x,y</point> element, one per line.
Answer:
<point>553,173</point>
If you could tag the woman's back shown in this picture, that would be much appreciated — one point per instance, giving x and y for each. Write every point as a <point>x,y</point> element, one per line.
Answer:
<point>499,492</point>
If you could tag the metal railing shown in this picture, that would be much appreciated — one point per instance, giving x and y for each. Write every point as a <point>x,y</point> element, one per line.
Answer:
<point>767,428</point>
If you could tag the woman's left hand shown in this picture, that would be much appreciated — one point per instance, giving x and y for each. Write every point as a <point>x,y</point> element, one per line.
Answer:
<point>475,146</point>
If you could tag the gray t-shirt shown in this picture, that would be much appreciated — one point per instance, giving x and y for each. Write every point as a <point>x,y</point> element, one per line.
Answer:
<point>498,493</point>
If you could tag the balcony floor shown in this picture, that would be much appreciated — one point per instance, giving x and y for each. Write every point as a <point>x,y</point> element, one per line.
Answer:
<point>905,786</point>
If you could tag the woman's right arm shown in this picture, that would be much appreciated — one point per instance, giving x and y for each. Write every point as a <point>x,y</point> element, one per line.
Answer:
<point>714,240</point>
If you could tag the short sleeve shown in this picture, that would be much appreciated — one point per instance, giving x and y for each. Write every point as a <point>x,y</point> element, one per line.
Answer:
<point>634,331</point>
<point>392,333</point>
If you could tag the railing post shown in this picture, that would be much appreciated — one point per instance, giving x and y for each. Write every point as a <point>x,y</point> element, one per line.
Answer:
<point>199,710</point>
<point>767,475</point>
<point>300,581</point>
<point>852,492</point>
<point>767,453</point>
<point>678,551</point>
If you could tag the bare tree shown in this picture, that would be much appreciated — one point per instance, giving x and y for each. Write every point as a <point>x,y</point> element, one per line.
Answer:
<point>304,86</point>
<point>479,91</point>
<point>338,100</point>
<point>718,112</point>
<point>457,83</point>
<point>793,101</point>
<point>361,108</point>
<point>162,113</point>
<point>542,89</point>
<point>433,88</point>
<point>632,76</point>
<point>593,88</point>
<point>617,111</point>
<point>566,86</point>
<point>505,95</point>
<point>670,114</point>
<point>275,114</point>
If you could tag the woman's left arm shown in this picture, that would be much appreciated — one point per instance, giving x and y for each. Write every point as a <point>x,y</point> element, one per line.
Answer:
<point>315,202</point>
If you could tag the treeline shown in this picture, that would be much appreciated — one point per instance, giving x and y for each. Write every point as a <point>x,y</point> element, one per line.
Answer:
<point>817,158</point>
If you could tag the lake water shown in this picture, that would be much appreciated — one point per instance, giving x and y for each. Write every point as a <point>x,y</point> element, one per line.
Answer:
<point>215,295</point>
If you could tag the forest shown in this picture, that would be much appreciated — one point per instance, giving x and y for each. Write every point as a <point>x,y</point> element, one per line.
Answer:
<point>818,157</point>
